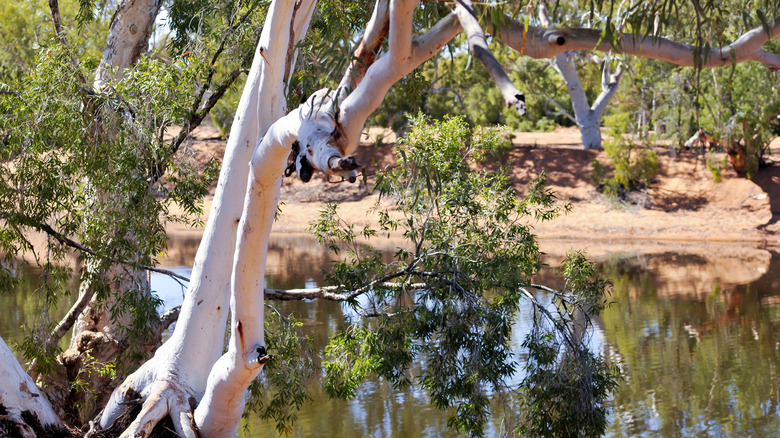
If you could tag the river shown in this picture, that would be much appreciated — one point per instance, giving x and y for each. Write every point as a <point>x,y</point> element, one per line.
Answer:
<point>696,330</point>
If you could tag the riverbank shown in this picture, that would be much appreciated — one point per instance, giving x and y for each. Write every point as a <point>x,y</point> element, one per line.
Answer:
<point>684,204</point>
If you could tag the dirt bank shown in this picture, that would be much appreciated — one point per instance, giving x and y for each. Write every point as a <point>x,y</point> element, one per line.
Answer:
<point>683,206</point>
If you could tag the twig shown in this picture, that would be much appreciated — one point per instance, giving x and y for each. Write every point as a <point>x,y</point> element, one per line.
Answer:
<point>76,245</point>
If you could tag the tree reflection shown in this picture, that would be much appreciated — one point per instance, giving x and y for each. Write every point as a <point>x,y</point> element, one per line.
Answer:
<point>696,364</point>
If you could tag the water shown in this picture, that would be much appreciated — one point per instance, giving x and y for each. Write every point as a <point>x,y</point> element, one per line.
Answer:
<point>697,332</point>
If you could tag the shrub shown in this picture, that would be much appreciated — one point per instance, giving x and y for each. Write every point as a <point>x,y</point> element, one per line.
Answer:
<point>634,164</point>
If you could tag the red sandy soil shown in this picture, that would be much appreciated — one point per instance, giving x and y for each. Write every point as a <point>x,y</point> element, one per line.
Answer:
<point>684,205</point>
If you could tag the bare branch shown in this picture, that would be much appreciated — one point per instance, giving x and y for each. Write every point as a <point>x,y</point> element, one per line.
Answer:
<point>169,317</point>
<point>331,293</point>
<point>387,70</point>
<point>543,43</point>
<point>560,107</point>
<point>68,320</point>
<point>464,9</point>
<point>451,90</point>
<point>365,54</point>
<point>609,86</point>
<point>195,118</point>
<point>401,28</point>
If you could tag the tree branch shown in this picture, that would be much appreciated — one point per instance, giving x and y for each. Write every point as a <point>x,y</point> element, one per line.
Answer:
<point>68,320</point>
<point>331,293</point>
<point>194,120</point>
<point>64,240</point>
<point>543,43</point>
<point>401,28</point>
<point>63,39</point>
<point>609,86</point>
<point>386,71</point>
<point>467,17</point>
<point>365,54</point>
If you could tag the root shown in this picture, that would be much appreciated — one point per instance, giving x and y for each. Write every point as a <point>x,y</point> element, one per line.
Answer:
<point>160,408</point>
<point>15,423</point>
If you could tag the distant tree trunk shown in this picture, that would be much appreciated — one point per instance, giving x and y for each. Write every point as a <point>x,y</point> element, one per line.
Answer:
<point>128,38</point>
<point>588,117</point>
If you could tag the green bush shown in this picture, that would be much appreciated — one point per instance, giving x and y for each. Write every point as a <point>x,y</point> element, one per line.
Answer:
<point>634,165</point>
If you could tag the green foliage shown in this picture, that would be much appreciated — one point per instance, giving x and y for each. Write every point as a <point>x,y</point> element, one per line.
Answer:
<point>457,84</point>
<point>566,386</point>
<point>281,391</point>
<point>716,166</point>
<point>635,165</point>
<point>449,298</point>
<point>84,166</point>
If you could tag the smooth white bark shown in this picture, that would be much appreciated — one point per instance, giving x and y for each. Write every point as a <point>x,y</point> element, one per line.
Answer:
<point>223,403</point>
<point>478,45</point>
<point>18,392</point>
<point>183,364</point>
<point>128,38</point>
<point>545,43</point>
<point>587,117</point>
<point>389,68</point>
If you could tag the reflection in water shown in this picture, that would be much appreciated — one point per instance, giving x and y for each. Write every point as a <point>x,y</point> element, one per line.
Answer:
<point>22,308</point>
<point>697,335</point>
<point>700,360</point>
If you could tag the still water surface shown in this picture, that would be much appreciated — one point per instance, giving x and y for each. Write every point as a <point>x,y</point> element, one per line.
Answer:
<point>698,336</point>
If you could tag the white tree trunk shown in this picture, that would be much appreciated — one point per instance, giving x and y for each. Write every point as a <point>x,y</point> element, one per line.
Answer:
<point>588,118</point>
<point>176,377</point>
<point>189,369</point>
<point>128,38</point>
<point>587,122</point>
<point>18,393</point>
<point>223,403</point>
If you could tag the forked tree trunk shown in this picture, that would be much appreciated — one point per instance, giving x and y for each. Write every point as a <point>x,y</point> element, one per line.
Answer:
<point>190,369</point>
<point>177,375</point>
<point>587,117</point>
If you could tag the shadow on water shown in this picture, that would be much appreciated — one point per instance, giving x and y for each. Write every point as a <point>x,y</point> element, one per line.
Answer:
<point>697,333</point>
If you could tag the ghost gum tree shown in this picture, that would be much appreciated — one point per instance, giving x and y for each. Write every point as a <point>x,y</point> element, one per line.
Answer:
<point>198,385</point>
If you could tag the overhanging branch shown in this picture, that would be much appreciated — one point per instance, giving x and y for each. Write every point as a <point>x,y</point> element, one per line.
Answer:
<point>466,13</point>
<point>67,241</point>
<point>545,43</point>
